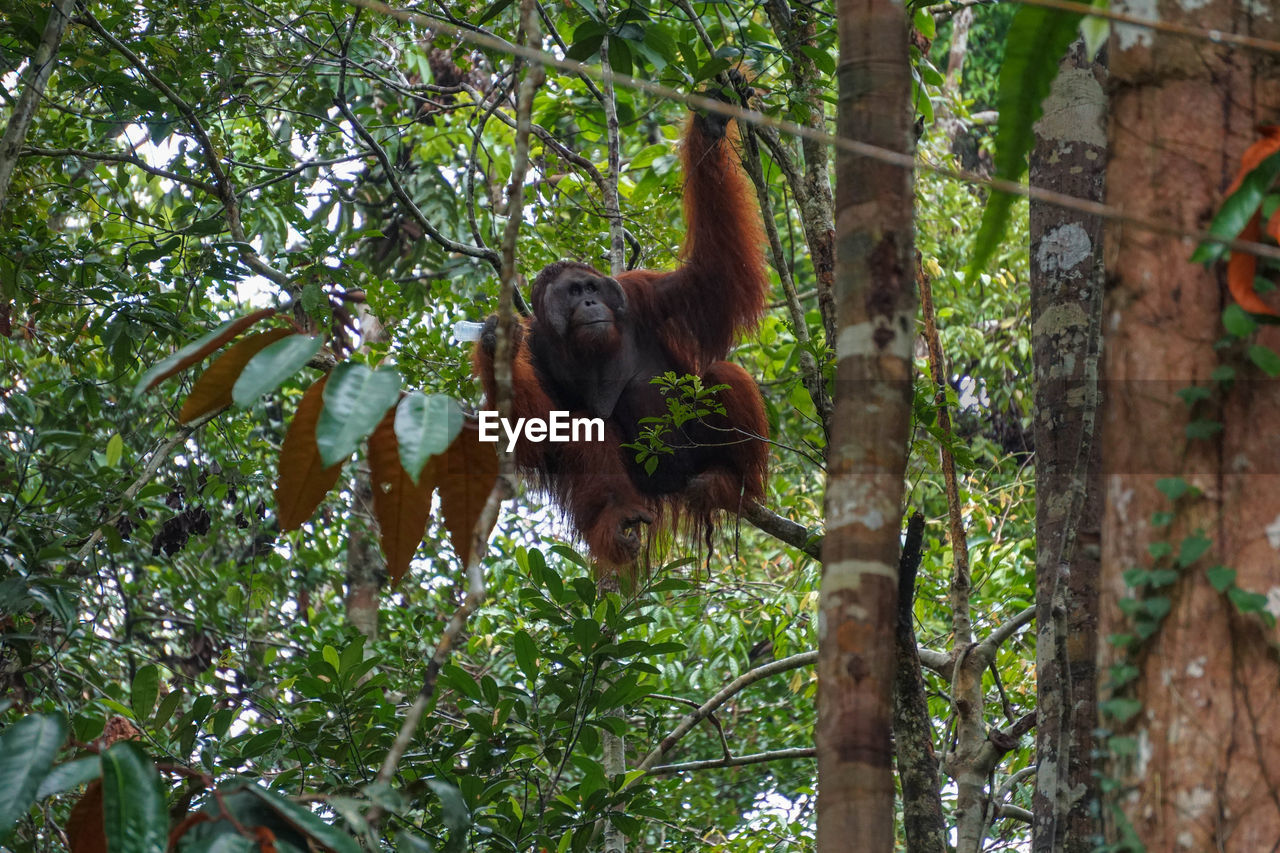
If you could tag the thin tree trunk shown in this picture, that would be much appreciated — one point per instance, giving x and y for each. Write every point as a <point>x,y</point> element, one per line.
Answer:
<point>1066,328</point>
<point>923,824</point>
<point>37,77</point>
<point>877,303</point>
<point>1195,762</point>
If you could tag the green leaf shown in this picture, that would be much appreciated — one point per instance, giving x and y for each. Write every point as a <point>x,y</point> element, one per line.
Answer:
<point>71,774</point>
<point>1199,430</point>
<point>27,749</point>
<point>1037,39</point>
<point>1266,358</point>
<point>1172,487</point>
<point>493,11</point>
<point>1193,548</point>
<point>457,817</point>
<point>307,821</point>
<point>167,706</point>
<point>407,843</point>
<point>355,399</point>
<point>526,654</point>
<point>1238,321</point>
<point>260,743</point>
<point>1221,577</point>
<point>115,449</point>
<point>268,369</point>
<point>1245,601</point>
<point>142,693</point>
<point>330,655</point>
<point>425,426</point>
<point>133,804</point>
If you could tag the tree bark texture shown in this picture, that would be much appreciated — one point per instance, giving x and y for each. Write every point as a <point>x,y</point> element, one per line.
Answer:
<point>1200,769</point>
<point>1066,325</point>
<point>867,458</point>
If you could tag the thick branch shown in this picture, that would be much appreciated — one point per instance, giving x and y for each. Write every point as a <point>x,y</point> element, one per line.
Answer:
<point>784,529</point>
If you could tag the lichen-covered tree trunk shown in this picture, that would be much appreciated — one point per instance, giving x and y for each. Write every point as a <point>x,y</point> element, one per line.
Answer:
<point>1195,758</point>
<point>876,319</point>
<point>1066,325</point>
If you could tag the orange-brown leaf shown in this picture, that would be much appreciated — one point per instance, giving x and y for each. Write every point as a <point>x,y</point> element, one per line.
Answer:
<point>303,481</point>
<point>85,830</point>
<point>212,390</point>
<point>466,473</point>
<point>198,355</point>
<point>401,508</point>
<point>266,839</point>
<point>1240,272</point>
<point>1257,152</point>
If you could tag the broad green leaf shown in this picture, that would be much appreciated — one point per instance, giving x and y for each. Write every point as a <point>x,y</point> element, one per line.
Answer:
<point>115,449</point>
<point>355,399</point>
<point>307,821</point>
<point>330,655</point>
<point>1266,358</point>
<point>1037,40</point>
<point>142,693</point>
<point>268,369</point>
<point>457,817</point>
<point>425,426</point>
<point>168,705</point>
<point>27,749</point>
<point>71,774</point>
<point>1221,577</point>
<point>526,653</point>
<point>134,812</point>
<point>1193,548</point>
<point>1238,321</point>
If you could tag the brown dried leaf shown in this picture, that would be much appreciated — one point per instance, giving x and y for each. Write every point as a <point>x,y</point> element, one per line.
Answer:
<point>212,390</point>
<point>401,508</point>
<point>197,355</point>
<point>303,481</point>
<point>85,830</point>
<point>466,473</point>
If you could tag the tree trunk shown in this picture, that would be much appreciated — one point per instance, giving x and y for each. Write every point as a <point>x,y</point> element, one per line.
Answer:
<point>1066,318</point>
<point>876,311</point>
<point>1195,762</point>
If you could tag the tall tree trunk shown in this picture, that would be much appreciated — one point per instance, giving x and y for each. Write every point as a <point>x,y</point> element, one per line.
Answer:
<point>876,300</point>
<point>1194,689</point>
<point>1066,327</point>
